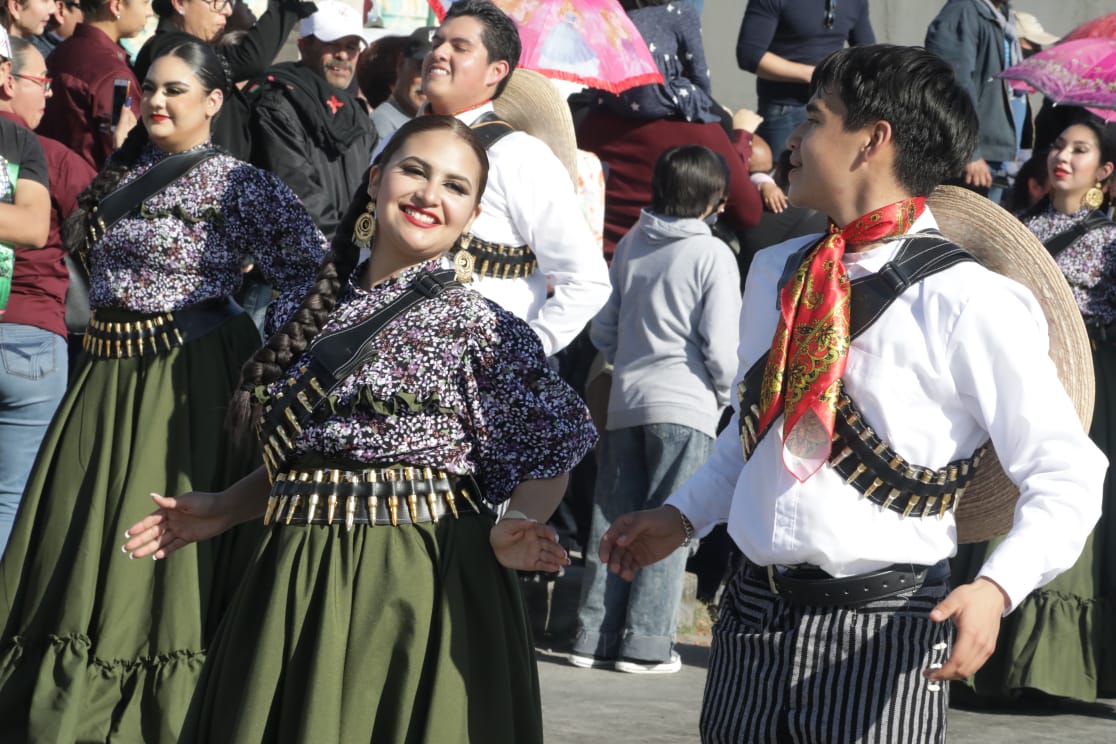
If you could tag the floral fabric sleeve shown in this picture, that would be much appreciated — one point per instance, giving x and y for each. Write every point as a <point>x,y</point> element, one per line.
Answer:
<point>273,227</point>
<point>527,422</point>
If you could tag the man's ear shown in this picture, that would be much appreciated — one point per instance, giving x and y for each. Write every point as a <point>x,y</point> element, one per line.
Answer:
<point>879,136</point>
<point>497,71</point>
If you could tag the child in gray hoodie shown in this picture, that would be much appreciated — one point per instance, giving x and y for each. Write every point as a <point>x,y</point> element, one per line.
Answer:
<point>669,330</point>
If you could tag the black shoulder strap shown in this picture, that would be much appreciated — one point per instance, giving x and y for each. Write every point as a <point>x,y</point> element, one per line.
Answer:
<point>921,255</point>
<point>333,357</point>
<point>1066,238</point>
<point>490,129</point>
<point>126,198</point>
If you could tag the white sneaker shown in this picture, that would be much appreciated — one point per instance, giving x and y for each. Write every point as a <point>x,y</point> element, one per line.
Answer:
<point>650,667</point>
<point>588,661</point>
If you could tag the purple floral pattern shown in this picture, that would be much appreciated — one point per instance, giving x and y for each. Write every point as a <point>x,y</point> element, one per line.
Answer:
<point>457,384</point>
<point>1089,263</point>
<point>186,244</point>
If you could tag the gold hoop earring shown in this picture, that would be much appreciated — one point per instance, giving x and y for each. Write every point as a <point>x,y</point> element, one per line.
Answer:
<point>463,260</point>
<point>365,226</point>
<point>1094,197</point>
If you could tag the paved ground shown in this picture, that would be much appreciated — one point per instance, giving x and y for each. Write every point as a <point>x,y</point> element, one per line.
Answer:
<point>585,706</point>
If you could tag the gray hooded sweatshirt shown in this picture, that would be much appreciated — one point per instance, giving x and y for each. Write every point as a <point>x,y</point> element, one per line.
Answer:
<point>671,325</point>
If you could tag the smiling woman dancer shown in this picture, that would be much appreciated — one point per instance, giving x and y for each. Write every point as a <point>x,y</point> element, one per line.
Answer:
<point>96,647</point>
<point>408,631</point>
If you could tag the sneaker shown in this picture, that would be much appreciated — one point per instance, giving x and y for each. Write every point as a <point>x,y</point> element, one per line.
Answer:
<point>588,661</point>
<point>632,666</point>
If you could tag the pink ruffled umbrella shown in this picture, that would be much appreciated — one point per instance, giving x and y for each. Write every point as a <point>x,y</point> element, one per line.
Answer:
<point>592,42</point>
<point>1073,73</point>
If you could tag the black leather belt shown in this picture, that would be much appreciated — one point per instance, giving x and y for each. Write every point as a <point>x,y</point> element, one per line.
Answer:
<point>121,334</point>
<point>811,586</point>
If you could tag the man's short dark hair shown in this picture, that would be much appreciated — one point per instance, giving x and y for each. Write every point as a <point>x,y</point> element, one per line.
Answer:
<point>932,117</point>
<point>500,36</point>
<point>688,180</point>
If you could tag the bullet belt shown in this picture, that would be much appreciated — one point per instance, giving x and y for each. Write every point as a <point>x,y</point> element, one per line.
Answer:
<point>373,496</point>
<point>120,334</point>
<point>498,260</point>
<point>810,586</point>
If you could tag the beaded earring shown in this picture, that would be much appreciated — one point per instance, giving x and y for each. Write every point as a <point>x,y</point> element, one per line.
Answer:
<point>365,226</point>
<point>1094,197</point>
<point>463,260</point>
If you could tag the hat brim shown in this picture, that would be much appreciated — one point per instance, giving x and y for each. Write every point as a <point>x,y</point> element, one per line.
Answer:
<point>532,103</point>
<point>1001,243</point>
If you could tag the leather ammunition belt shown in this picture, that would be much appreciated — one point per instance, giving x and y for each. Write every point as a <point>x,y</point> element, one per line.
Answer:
<point>885,478</point>
<point>120,334</point>
<point>372,496</point>
<point>810,586</point>
<point>500,261</point>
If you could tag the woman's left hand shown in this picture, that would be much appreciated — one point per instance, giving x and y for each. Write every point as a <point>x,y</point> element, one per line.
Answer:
<point>526,545</point>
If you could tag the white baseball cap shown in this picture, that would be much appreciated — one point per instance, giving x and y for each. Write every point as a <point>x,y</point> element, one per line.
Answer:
<point>5,44</point>
<point>333,20</point>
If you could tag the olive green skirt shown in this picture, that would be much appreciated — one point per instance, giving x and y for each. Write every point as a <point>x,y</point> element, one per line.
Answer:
<point>97,647</point>
<point>1061,640</point>
<point>391,635</point>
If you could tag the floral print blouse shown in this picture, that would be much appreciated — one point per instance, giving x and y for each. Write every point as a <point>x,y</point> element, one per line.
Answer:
<point>187,243</point>
<point>1089,263</point>
<point>456,384</point>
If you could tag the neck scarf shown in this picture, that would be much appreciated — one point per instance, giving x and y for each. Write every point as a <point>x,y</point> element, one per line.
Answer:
<point>802,378</point>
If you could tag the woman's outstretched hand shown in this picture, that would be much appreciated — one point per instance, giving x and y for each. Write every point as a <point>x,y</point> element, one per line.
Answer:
<point>178,522</point>
<point>527,545</point>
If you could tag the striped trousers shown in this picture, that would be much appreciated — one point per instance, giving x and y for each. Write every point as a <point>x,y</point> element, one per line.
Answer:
<point>792,674</point>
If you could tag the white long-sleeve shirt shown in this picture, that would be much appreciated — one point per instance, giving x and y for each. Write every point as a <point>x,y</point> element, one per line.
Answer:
<point>530,200</point>
<point>959,358</point>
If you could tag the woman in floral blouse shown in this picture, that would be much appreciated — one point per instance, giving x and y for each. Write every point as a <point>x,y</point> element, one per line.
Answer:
<point>1059,642</point>
<point>413,630</point>
<point>96,647</point>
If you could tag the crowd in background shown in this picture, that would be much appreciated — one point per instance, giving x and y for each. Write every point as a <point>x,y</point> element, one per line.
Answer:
<point>629,259</point>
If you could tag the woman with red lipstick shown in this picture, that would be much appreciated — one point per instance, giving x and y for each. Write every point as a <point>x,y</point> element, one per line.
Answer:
<point>94,647</point>
<point>382,605</point>
<point>1059,641</point>
<point>204,21</point>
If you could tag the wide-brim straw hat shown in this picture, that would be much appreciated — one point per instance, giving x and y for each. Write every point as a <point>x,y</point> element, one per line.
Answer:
<point>1001,243</point>
<point>532,104</point>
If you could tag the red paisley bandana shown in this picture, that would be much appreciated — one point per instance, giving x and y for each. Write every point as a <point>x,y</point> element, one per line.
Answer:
<point>811,345</point>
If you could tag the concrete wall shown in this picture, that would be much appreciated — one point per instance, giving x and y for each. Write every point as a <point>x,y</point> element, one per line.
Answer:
<point>895,22</point>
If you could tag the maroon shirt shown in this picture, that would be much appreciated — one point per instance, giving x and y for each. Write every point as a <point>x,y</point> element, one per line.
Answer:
<point>40,278</point>
<point>79,114</point>
<point>628,148</point>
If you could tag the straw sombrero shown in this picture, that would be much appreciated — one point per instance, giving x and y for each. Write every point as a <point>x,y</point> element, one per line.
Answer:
<point>1001,243</point>
<point>532,104</point>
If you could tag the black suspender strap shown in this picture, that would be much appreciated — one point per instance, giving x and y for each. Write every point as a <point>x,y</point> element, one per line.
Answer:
<point>123,200</point>
<point>490,129</point>
<point>920,256</point>
<point>333,357</point>
<point>1066,238</point>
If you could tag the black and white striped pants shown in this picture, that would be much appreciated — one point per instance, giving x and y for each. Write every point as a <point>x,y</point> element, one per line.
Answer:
<point>791,674</point>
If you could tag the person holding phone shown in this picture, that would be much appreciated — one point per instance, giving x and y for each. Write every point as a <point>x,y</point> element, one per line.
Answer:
<point>95,101</point>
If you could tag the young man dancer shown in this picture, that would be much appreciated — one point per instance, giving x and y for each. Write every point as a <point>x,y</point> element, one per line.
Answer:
<point>839,472</point>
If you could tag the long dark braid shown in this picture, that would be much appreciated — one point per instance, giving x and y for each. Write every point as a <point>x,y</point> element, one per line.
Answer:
<point>286,345</point>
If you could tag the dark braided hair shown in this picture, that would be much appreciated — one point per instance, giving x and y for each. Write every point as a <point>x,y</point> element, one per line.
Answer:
<point>272,361</point>
<point>210,71</point>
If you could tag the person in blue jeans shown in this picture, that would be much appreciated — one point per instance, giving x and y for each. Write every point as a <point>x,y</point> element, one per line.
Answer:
<point>675,290</point>
<point>781,41</point>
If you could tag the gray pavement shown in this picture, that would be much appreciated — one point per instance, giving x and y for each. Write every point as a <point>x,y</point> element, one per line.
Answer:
<point>588,706</point>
